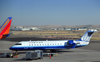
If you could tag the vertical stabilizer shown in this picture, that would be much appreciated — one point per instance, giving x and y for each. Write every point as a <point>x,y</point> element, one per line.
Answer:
<point>87,36</point>
<point>5,28</point>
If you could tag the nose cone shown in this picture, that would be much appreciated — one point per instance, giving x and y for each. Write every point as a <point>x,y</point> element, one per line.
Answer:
<point>11,48</point>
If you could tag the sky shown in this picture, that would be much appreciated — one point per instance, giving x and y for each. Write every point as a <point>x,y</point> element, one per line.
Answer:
<point>50,12</point>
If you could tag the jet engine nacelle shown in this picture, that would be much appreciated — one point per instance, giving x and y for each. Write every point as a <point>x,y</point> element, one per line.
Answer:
<point>71,43</point>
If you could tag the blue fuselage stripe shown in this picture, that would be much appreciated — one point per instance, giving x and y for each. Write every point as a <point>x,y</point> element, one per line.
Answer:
<point>42,47</point>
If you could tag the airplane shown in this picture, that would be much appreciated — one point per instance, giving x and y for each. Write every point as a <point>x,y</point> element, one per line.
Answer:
<point>5,28</point>
<point>54,45</point>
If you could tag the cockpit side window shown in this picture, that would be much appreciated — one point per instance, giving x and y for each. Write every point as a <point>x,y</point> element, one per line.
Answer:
<point>18,44</point>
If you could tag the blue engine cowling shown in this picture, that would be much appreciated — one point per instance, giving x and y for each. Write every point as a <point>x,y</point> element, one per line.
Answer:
<point>71,43</point>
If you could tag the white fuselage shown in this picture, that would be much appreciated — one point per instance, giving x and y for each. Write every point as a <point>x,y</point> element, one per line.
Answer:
<point>54,44</point>
<point>42,45</point>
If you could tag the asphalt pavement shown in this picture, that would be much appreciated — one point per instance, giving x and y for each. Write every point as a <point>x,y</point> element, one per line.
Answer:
<point>90,53</point>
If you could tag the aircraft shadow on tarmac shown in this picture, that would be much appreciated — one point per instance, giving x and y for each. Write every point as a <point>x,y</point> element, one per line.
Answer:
<point>60,51</point>
<point>23,59</point>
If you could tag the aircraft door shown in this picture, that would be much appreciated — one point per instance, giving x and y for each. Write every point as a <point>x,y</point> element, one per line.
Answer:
<point>26,45</point>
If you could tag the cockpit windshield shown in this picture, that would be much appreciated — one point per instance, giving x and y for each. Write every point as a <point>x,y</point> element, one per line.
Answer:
<point>18,44</point>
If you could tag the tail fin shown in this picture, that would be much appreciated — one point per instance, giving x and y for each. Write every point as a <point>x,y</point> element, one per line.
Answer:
<point>87,36</point>
<point>5,28</point>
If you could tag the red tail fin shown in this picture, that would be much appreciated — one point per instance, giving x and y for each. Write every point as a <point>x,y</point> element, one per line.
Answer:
<point>5,28</point>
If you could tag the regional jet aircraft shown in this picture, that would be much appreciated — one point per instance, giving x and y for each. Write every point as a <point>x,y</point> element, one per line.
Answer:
<point>54,45</point>
<point>4,29</point>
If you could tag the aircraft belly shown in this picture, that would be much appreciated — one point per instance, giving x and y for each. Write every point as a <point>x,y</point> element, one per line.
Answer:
<point>41,47</point>
<point>49,47</point>
<point>37,48</point>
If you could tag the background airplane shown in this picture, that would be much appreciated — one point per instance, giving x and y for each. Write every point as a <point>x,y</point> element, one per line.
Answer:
<point>54,45</point>
<point>5,28</point>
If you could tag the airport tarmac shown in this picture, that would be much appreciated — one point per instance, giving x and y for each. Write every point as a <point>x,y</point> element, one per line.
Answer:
<point>90,53</point>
